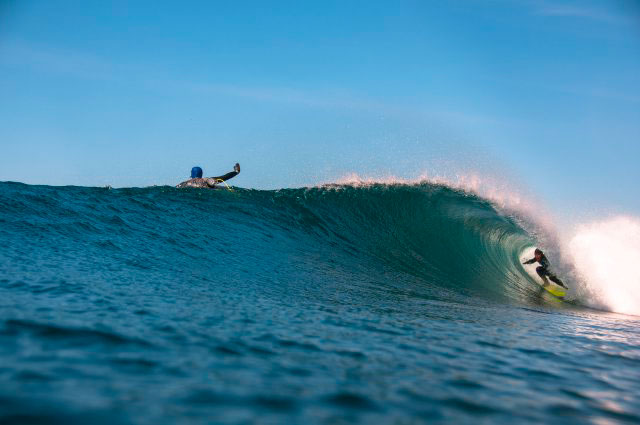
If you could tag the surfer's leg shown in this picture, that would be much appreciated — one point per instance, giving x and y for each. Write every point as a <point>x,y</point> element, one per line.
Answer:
<point>542,272</point>
<point>555,279</point>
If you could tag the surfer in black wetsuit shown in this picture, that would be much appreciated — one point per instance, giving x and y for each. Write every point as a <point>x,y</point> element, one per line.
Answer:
<point>197,180</point>
<point>543,269</point>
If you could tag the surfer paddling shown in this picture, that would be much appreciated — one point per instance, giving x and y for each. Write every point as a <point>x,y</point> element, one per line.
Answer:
<point>543,269</point>
<point>197,180</point>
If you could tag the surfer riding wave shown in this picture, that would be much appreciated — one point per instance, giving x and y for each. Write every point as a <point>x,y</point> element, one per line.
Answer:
<point>543,269</point>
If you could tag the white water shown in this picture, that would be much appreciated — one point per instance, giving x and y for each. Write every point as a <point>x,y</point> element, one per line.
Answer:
<point>606,255</point>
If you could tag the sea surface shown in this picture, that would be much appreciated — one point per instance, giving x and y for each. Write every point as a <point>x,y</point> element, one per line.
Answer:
<point>373,304</point>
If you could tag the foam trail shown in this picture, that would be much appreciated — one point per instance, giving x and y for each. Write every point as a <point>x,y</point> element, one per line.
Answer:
<point>607,256</point>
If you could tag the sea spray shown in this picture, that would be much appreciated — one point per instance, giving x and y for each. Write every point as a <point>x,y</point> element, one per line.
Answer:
<point>606,255</point>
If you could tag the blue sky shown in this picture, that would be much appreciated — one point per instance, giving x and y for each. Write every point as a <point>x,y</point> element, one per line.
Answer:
<point>546,93</point>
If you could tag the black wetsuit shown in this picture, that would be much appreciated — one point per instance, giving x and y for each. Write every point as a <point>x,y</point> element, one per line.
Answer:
<point>543,269</point>
<point>208,182</point>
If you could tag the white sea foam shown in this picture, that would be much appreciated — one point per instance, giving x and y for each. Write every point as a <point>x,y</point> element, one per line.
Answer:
<point>606,255</point>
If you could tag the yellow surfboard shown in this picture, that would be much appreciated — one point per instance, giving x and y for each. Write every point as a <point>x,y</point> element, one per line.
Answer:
<point>554,289</point>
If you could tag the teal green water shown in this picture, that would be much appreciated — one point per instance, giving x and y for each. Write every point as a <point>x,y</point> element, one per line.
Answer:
<point>379,304</point>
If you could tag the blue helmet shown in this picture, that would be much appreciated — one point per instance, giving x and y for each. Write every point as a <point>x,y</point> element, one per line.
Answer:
<point>196,172</point>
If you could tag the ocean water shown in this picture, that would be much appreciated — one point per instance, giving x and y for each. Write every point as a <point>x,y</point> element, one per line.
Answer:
<point>382,303</point>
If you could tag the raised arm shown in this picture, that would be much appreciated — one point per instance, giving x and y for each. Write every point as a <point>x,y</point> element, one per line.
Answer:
<point>232,174</point>
<point>533,260</point>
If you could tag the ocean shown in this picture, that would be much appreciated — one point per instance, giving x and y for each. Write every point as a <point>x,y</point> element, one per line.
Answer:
<point>372,304</point>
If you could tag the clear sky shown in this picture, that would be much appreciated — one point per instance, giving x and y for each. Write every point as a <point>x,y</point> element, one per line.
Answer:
<point>136,93</point>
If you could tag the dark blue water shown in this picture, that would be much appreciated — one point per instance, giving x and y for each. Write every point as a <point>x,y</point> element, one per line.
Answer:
<point>380,304</point>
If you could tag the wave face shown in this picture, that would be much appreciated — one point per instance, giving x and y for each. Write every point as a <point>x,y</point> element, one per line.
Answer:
<point>439,240</point>
<point>287,302</point>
